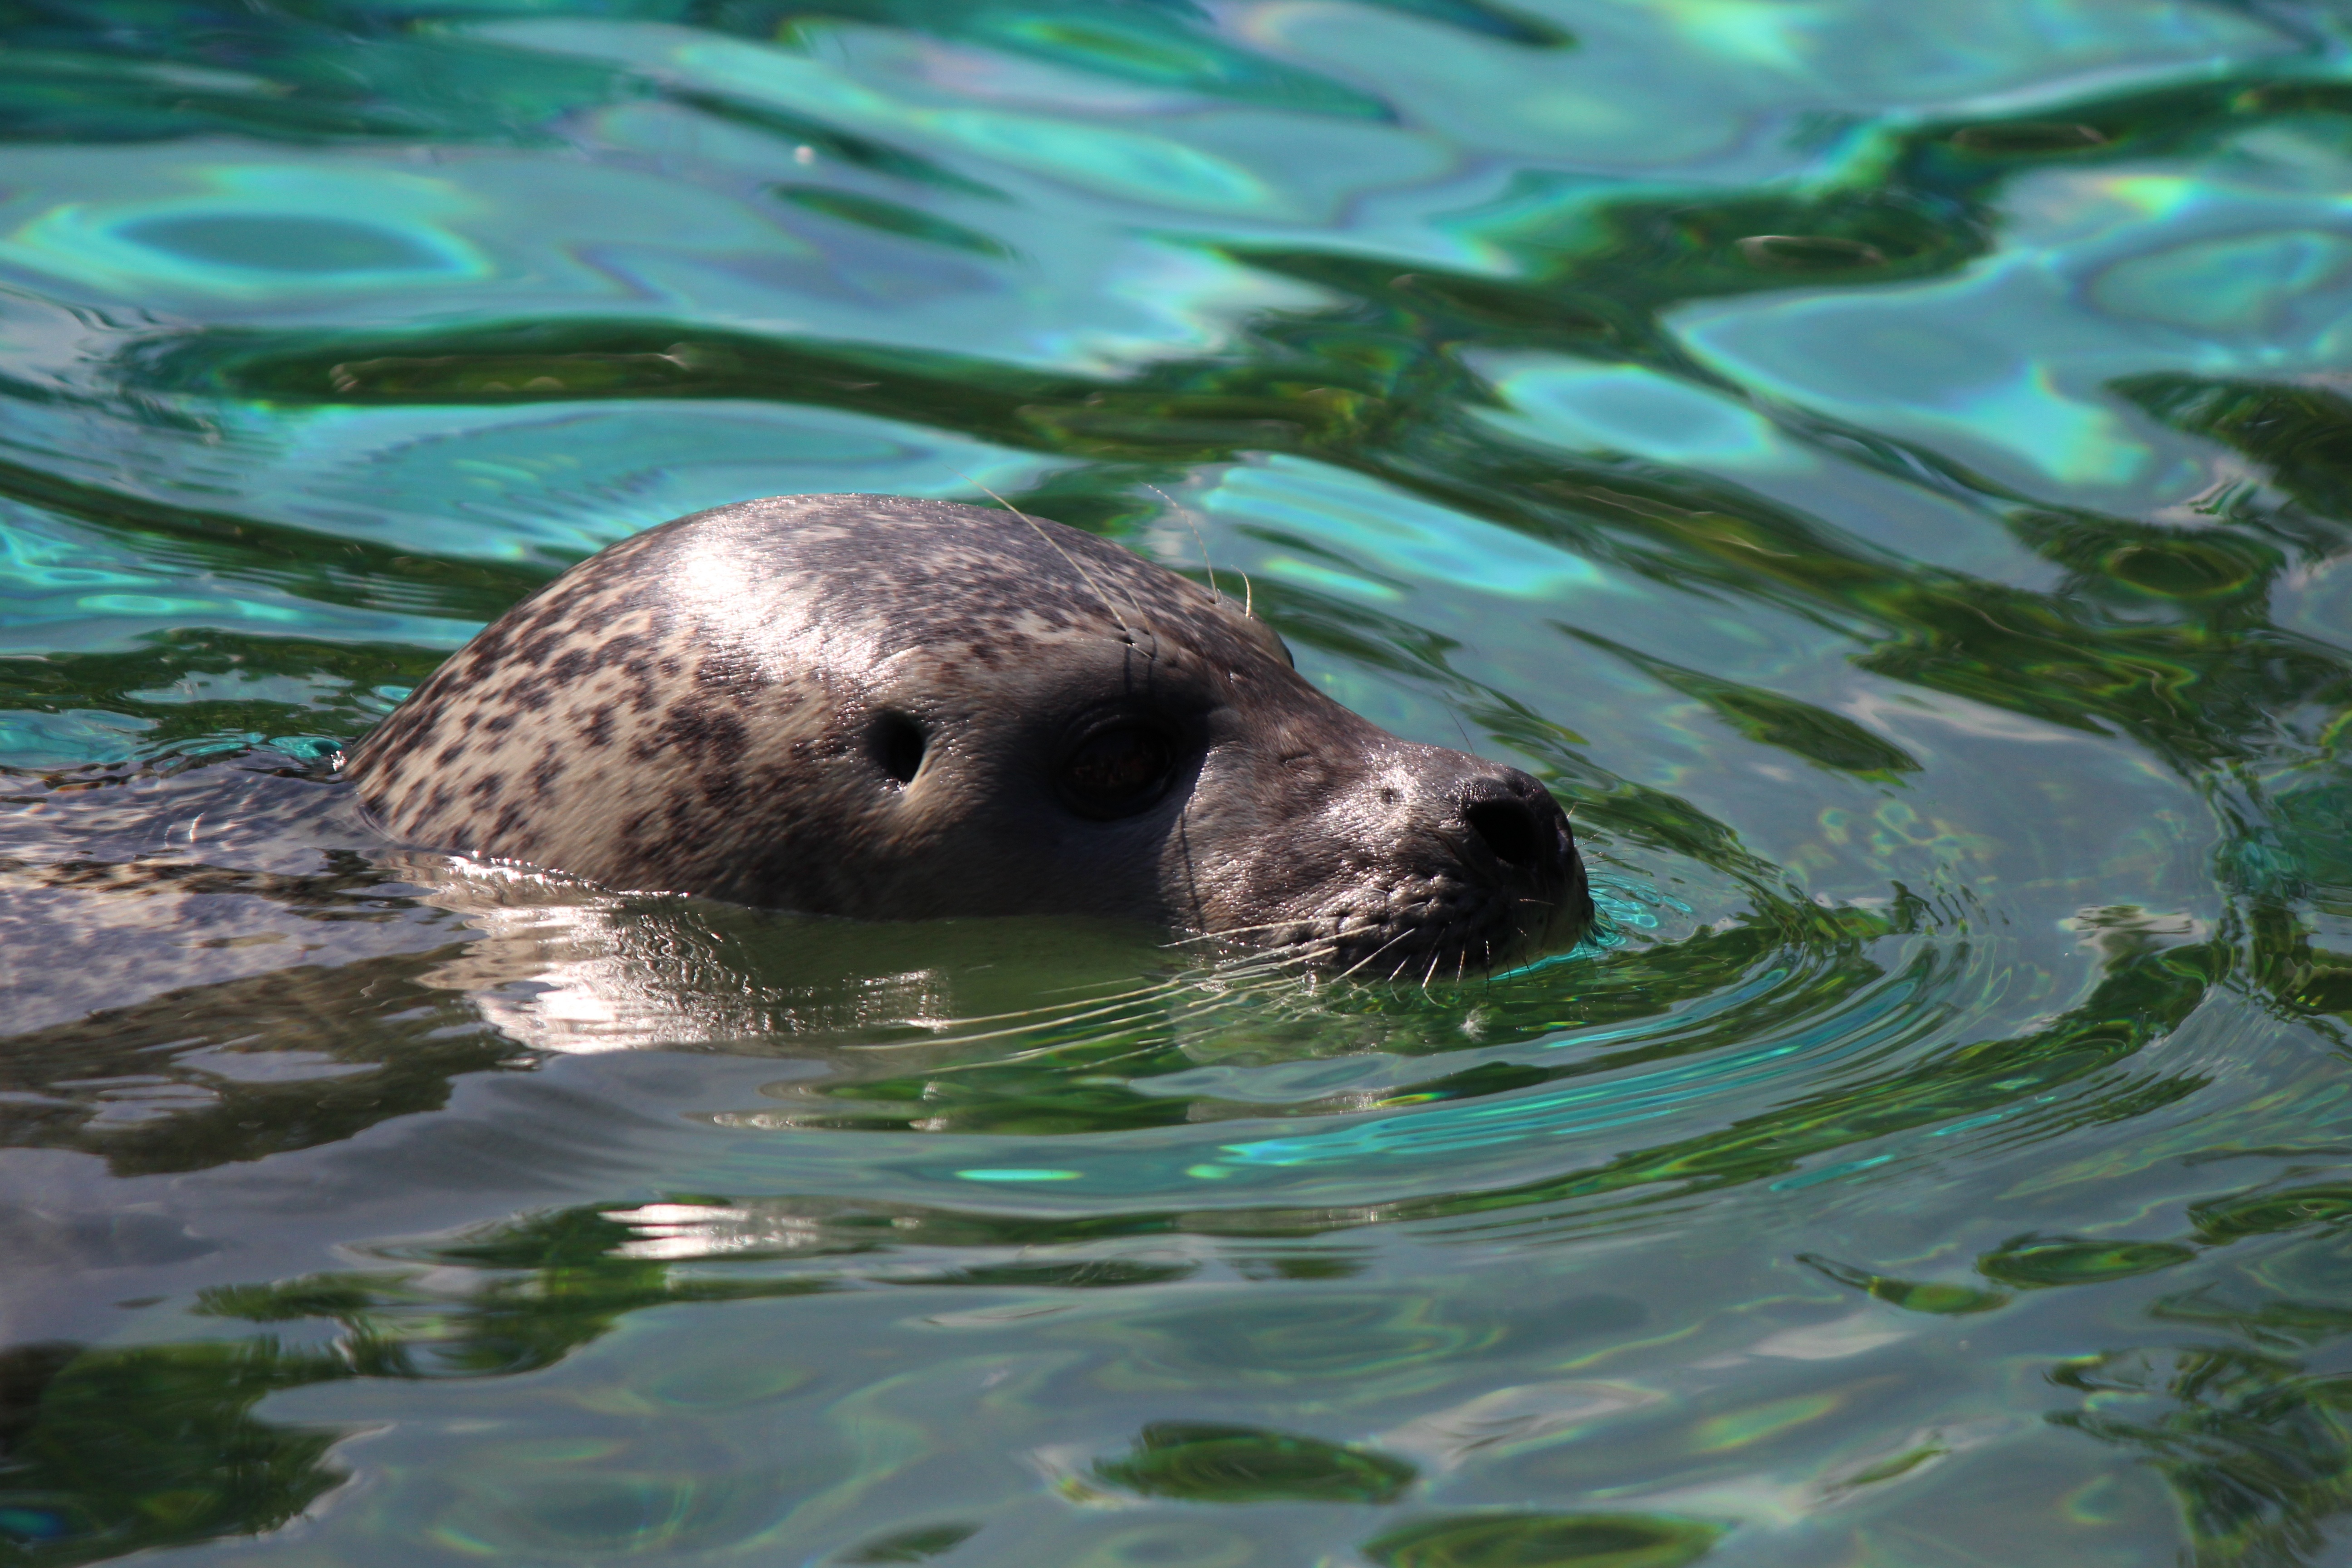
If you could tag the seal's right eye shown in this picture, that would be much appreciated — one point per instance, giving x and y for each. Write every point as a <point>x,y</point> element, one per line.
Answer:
<point>1118,770</point>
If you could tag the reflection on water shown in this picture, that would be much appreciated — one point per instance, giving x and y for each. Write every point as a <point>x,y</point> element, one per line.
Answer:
<point>1890,472</point>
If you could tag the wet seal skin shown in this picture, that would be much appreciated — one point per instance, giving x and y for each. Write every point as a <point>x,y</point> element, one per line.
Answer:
<point>891,708</point>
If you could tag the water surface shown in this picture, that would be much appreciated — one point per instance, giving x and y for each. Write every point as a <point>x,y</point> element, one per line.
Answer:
<point>1888,469</point>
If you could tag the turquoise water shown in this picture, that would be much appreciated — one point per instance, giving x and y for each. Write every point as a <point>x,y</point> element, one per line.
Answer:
<point>1887,468</point>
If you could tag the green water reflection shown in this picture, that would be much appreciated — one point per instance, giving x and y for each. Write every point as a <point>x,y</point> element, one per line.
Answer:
<point>1889,471</point>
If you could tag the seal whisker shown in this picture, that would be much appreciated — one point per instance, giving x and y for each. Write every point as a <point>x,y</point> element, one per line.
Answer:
<point>1280,955</point>
<point>1459,727</point>
<point>1185,847</point>
<point>1056,1013</point>
<point>1291,955</point>
<point>1203,543</point>
<point>1373,954</point>
<point>1084,575</point>
<point>1008,1059</point>
<point>1223,933</point>
<point>1296,967</point>
<point>1038,1053</point>
<point>1264,975</point>
<point>1069,1012</point>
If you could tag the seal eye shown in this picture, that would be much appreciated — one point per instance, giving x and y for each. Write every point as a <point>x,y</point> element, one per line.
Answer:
<point>1118,770</point>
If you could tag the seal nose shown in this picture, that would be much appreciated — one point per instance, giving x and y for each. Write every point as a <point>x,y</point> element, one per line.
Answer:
<point>1518,822</point>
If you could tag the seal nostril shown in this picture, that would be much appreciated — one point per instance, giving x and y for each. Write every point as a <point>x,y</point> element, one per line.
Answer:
<point>898,745</point>
<point>1509,829</point>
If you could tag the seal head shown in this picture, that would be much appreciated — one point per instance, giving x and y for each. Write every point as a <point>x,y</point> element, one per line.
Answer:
<point>893,708</point>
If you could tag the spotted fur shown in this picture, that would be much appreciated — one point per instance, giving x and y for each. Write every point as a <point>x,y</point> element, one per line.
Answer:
<point>699,709</point>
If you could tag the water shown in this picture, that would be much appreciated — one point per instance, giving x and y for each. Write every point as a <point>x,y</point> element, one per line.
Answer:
<point>1888,468</point>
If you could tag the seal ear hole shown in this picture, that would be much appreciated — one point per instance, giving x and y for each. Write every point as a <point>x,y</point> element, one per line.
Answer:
<point>898,745</point>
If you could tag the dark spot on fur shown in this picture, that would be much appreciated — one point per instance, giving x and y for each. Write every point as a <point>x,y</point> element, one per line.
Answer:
<point>731,674</point>
<point>546,771</point>
<point>719,786</point>
<point>507,836</point>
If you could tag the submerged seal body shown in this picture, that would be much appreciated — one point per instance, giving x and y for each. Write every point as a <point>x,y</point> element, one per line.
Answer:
<point>893,708</point>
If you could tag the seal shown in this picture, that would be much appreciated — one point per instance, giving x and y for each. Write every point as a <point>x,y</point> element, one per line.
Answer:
<point>891,708</point>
